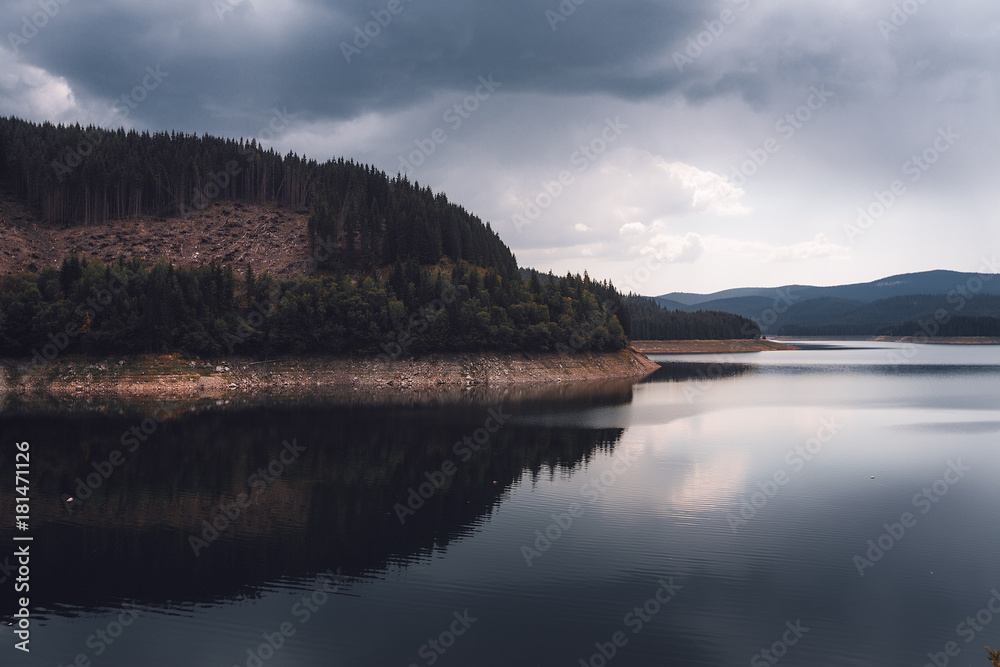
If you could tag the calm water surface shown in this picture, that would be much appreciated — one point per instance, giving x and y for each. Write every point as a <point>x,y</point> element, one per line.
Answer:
<point>831,506</point>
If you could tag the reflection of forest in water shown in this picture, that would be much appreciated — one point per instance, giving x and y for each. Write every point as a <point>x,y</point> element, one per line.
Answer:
<point>330,508</point>
<point>681,371</point>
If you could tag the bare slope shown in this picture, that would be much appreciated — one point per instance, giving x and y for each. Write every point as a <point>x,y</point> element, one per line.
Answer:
<point>268,237</point>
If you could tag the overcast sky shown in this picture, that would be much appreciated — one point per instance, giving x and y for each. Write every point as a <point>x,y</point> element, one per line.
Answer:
<point>664,144</point>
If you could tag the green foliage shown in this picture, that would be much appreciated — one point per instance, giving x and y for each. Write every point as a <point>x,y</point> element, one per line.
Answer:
<point>74,174</point>
<point>399,268</point>
<point>360,218</point>
<point>209,310</point>
<point>950,325</point>
<point>375,221</point>
<point>652,322</point>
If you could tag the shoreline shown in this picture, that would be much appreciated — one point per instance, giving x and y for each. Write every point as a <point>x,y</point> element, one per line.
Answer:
<point>709,346</point>
<point>942,340</point>
<point>176,376</point>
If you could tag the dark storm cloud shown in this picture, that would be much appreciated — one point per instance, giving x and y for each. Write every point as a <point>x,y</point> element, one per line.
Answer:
<point>243,57</point>
<point>701,86</point>
<point>231,61</point>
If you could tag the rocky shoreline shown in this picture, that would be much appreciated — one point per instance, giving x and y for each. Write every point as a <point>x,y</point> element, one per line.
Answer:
<point>708,346</point>
<point>175,376</point>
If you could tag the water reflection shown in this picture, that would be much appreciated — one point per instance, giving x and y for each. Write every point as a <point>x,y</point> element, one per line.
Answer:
<point>156,514</point>
<point>680,371</point>
<point>700,448</point>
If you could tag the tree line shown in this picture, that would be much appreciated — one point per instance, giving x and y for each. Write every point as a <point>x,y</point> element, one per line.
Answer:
<point>80,175</point>
<point>953,326</point>
<point>403,269</point>
<point>95,308</point>
<point>650,321</point>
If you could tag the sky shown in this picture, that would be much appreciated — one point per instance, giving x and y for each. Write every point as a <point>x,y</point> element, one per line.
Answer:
<point>666,145</point>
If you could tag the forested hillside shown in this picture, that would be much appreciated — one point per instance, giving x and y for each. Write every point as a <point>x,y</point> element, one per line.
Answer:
<point>945,315</point>
<point>78,176</point>
<point>954,303</point>
<point>94,308</point>
<point>395,269</point>
<point>649,321</point>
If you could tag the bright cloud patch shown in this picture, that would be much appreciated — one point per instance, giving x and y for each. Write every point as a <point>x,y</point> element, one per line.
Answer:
<point>710,192</point>
<point>689,247</point>
<point>632,229</point>
<point>31,92</point>
<point>648,188</point>
<point>671,248</point>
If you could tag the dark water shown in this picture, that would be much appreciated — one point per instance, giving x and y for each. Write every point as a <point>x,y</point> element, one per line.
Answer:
<point>721,508</point>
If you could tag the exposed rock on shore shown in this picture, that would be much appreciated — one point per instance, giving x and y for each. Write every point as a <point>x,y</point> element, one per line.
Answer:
<point>175,376</point>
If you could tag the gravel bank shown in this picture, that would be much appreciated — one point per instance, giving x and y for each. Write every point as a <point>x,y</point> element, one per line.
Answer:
<point>176,376</point>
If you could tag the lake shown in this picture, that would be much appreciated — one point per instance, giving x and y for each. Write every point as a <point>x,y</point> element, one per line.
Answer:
<point>835,505</point>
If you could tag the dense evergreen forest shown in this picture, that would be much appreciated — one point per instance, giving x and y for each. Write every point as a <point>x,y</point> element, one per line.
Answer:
<point>399,269</point>
<point>955,325</point>
<point>76,175</point>
<point>650,321</point>
<point>90,307</point>
<point>955,314</point>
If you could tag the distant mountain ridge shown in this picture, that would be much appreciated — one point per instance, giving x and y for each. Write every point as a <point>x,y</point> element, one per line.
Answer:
<point>878,307</point>
<point>925,282</point>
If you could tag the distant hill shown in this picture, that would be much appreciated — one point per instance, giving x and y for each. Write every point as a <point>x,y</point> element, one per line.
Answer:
<point>359,218</point>
<point>649,321</point>
<point>924,282</point>
<point>367,262</point>
<point>189,228</point>
<point>878,307</point>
